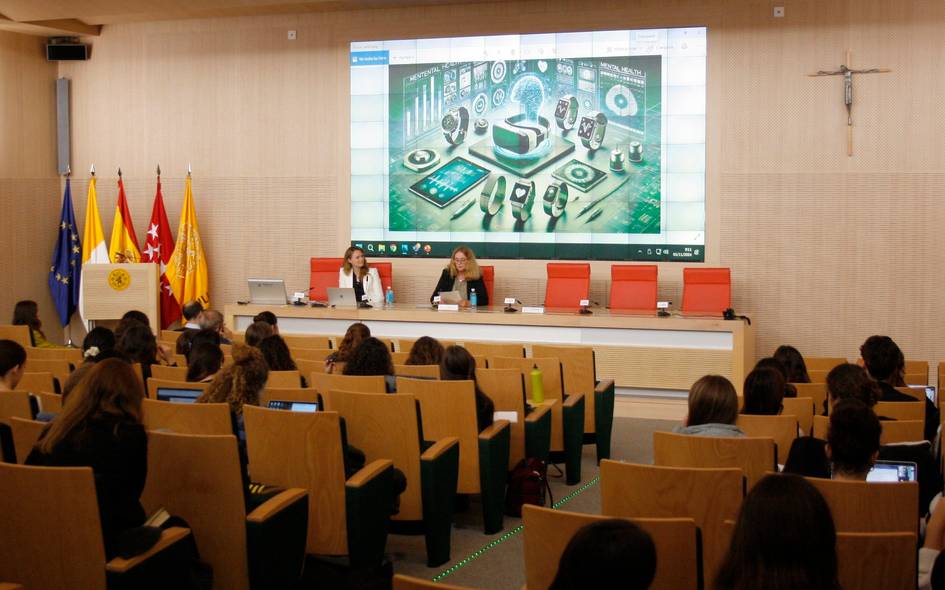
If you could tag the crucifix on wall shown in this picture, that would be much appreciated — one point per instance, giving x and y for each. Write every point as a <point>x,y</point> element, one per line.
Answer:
<point>847,74</point>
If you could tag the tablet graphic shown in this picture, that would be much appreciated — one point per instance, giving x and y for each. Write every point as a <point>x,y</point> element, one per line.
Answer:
<point>449,182</point>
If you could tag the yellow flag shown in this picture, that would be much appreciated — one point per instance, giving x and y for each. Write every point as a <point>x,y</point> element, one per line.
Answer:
<point>93,238</point>
<point>187,269</point>
<point>123,246</point>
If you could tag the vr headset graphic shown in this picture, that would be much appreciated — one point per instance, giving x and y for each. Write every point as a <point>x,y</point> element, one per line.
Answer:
<point>518,135</point>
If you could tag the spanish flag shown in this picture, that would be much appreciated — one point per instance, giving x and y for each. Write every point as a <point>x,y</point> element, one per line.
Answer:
<point>124,243</point>
<point>187,270</point>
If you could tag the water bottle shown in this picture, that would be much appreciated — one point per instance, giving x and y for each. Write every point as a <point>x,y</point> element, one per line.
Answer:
<point>389,297</point>
<point>472,299</point>
<point>538,386</point>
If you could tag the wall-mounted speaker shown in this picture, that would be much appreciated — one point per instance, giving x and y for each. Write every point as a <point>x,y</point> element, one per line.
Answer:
<point>57,50</point>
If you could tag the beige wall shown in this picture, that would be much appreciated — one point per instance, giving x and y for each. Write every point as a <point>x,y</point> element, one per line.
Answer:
<point>825,249</point>
<point>29,190</point>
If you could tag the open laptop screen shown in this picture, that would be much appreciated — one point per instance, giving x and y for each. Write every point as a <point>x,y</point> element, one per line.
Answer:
<point>182,396</point>
<point>308,407</point>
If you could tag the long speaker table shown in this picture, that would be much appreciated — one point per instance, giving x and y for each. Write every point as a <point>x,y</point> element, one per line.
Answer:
<point>636,350</point>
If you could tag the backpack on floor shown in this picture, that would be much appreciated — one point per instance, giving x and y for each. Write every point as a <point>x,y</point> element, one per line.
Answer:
<point>528,483</point>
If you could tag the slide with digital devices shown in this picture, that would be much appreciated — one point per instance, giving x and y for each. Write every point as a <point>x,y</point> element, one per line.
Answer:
<point>573,146</point>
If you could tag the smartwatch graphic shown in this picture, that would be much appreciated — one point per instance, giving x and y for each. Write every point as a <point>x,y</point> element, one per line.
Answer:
<point>555,199</point>
<point>493,193</point>
<point>455,123</point>
<point>566,112</point>
<point>592,129</point>
<point>522,197</point>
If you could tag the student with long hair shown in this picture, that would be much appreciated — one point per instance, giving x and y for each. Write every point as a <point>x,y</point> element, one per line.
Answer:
<point>268,317</point>
<point>713,408</point>
<point>99,344</point>
<point>239,383</point>
<point>356,273</point>
<point>764,393</point>
<point>372,357</point>
<point>793,363</point>
<point>425,351</point>
<point>204,363</point>
<point>278,356</point>
<point>256,332</point>
<point>138,344</point>
<point>100,427</point>
<point>769,362</point>
<point>601,553</point>
<point>459,365</point>
<point>462,275</point>
<point>784,539</point>
<point>884,361</point>
<point>26,313</point>
<point>356,333</point>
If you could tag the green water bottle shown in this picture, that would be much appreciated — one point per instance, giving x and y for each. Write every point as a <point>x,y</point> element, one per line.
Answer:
<point>538,386</point>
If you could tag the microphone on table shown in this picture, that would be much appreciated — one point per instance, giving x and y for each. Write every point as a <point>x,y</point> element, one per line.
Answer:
<point>509,301</point>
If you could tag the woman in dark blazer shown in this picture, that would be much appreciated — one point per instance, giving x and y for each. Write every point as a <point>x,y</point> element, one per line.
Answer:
<point>462,275</point>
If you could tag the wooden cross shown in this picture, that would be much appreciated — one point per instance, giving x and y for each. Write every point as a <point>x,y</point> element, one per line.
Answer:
<point>847,74</point>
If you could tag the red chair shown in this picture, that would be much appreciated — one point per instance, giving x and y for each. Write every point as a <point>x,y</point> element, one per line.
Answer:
<point>707,290</point>
<point>633,286</point>
<point>568,283</point>
<point>385,271</point>
<point>324,274</point>
<point>488,277</point>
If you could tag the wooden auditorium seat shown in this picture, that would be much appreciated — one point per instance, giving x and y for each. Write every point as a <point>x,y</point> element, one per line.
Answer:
<point>399,358</point>
<point>19,334</point>
<point>816,391</point>
<point>894,431</point>
<point>73,355</point>
<point>308,341</point>
<point>567,416</point>
<point>303,450</point>
<point>59,368</point>
<point>43,381</point>
<point>803,409</point>
<point>25,435</point>
<point>567,284</point>
<point>917,372</point>
<point>900,410</point>
<point>310,354</point>
<point>198,478</point>
<point>288,394</point>
<point>916,392</point>
<point>51,536</point>
<point>861,507</point>
<point>16,404</point>
<point>530,433</point>
<point>547,533</point>
<point>823,363</point>
<point>425,371</point>
<point>448,409</point>
<point>48,402</point>
<point>754,456</point>
<point>387,427</point>
<point>163,373</point>
<point>155,384</point>
<point>781,428</point>
<point>493,349</point>
<point>325,382</point>
<point>202,419</point>
<point>876,560</point>
<point>709,496</point>
<point>284,379</point>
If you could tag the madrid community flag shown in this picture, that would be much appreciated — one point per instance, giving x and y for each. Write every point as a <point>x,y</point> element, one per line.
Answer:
<point>94,250</point>
<point>158,245</point>
<point>187,270</point>
<point>123,246</point>
<point>64,274</point>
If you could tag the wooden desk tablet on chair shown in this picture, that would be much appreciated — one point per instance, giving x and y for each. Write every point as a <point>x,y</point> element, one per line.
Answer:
<point>754,456</point>
<point>448,409</point>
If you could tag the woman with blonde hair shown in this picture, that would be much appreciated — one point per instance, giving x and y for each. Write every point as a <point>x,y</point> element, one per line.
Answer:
<point>358,275</point>
<point>462,275</point>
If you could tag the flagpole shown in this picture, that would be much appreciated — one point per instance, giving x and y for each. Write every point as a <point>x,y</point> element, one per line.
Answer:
<point>69,325</point>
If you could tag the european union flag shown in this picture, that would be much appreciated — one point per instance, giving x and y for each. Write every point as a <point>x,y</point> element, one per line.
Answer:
<point>66,266</point>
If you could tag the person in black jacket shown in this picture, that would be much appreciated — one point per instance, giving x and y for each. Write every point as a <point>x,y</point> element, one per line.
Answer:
<point>462,275</point>
<point>459,365</point>
<point>100,427</point>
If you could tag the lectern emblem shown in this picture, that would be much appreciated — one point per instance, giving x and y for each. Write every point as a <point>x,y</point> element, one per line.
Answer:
<point>119,279</point>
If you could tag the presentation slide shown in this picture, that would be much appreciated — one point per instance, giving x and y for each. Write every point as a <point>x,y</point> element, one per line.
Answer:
<point>573,146</point>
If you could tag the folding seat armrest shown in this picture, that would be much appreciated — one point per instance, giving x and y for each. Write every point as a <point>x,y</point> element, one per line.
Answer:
<point>168,538</point>
<point>368,473</point>
<point>439,474</point>
<point>603,417</point>
<point>439,448</point>
<point>538,432</point>
<point>494,444</point>
<point>369,498</point>
<point>573,427</point>
<point>276,504</point>
<point>538,412</point>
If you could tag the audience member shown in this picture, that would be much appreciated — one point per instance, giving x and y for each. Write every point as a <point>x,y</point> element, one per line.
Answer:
<point>769,362</point>
<point>138,345</point>
<point>764,392</point>
<point>131,318</point>
<point>205,336</point>
<point>268,317</point>
<point>425,351</point>
<point>98,343</point>
<point>256,332</point>
<point>459,365</point>
<point>212,319</point>
<point>12,359</point>
<point>852,440</point>
<point>605,552</point>
<point>713,408</point>
<point>372,357</point>
<point>793,363</point>
<point>239,383</point>
<point>278,357</point>
<point>191,312</point>
<point>784,539</point>
<point>100,427</point>
<point>885,362</point>
<point>185,342</point>
<point>204,363</point>
<point>26,313</point>
<point>356,333</point>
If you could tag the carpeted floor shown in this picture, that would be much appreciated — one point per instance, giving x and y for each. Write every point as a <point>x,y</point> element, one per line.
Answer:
<point>494,562</point>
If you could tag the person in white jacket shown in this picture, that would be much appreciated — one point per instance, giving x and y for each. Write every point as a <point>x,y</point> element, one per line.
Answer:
<point>356,274</point>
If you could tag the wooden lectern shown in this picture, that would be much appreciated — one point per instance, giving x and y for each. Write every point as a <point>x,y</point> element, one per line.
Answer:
<point>110,290</point>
